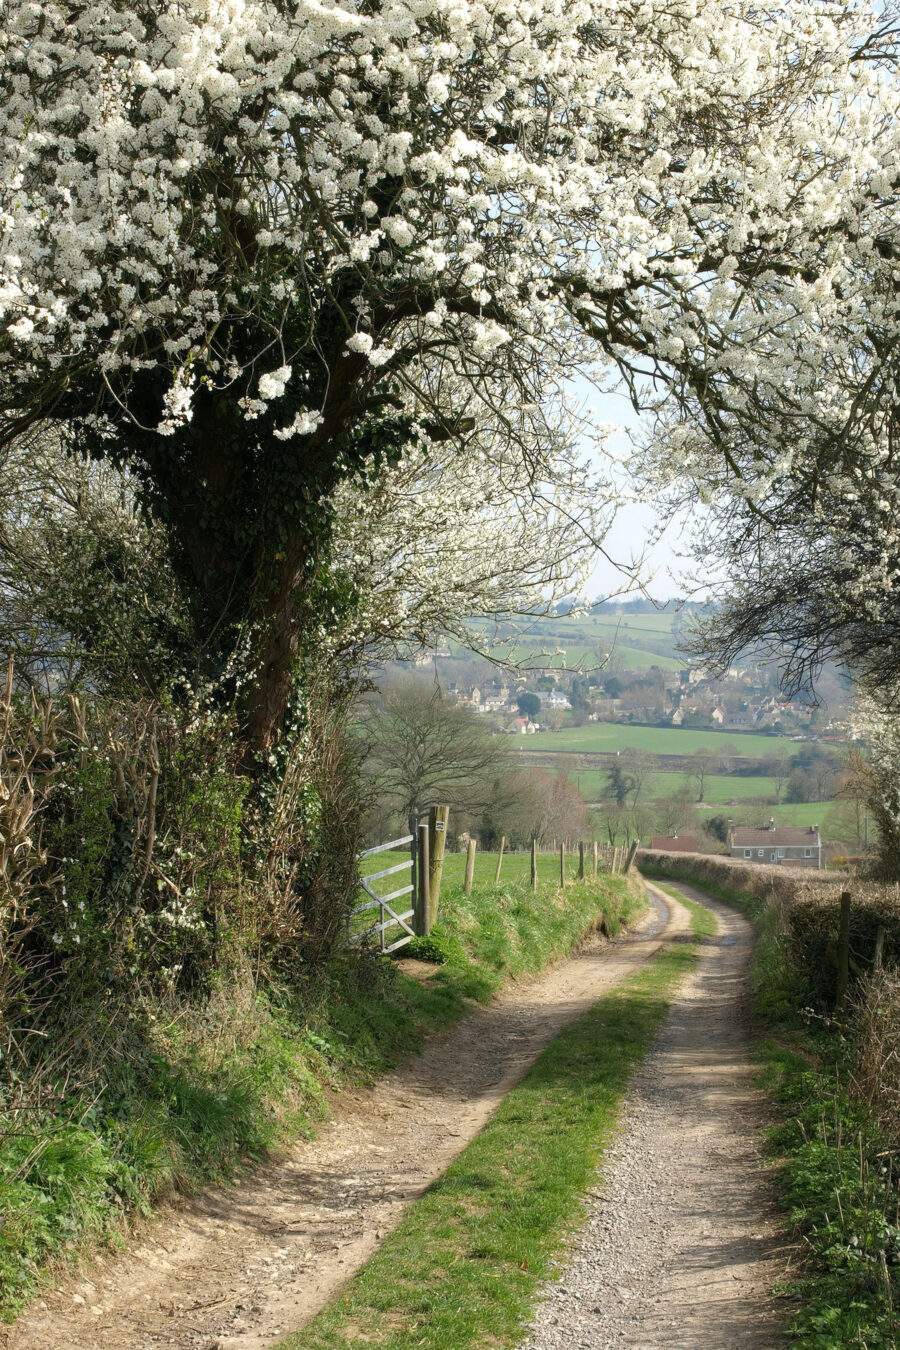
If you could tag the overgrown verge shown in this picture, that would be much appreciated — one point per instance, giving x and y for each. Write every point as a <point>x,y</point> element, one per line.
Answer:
<point>837,1142</point>
<point>462,1268</point>
<point>124,1109</point>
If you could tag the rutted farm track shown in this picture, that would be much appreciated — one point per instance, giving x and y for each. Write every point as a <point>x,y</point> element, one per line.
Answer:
<point>235,1268</point>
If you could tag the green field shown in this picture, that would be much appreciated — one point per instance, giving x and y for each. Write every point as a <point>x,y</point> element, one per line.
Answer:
<point>577,655</point>
<point>803,813</point>
<point>657,740</point>
<point>594,785</point>
<point>641,627</point>
<point>587,641</point>
<point>516,867</point>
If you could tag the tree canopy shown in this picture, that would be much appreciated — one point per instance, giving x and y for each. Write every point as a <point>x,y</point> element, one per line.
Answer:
<point>254,250</point>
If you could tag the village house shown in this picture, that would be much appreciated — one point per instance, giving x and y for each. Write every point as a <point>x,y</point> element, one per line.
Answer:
<point>784,845</point>
<point>740,719</point>
<point>554,699</point>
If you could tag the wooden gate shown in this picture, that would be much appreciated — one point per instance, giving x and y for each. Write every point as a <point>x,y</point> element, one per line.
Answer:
<point>391,913</point>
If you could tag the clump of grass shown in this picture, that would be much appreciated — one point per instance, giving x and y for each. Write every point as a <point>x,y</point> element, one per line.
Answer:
<point>839,1188</point>
<point>461,1269</point>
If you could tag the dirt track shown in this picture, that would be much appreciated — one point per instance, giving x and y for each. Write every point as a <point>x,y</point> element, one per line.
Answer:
<point>682,1247</point>
<point>235,1268</point>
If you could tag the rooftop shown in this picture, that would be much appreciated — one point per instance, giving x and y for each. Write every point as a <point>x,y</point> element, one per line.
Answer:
<point>780,835</point>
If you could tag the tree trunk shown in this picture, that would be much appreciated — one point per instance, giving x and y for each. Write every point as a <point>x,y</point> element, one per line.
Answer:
<point>278,647</point>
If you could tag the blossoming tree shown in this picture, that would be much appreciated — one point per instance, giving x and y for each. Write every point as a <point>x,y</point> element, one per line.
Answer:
<point>251,248</point>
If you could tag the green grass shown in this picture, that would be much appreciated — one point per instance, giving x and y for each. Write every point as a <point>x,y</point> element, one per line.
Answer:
<point>585,656</point>
<point>185,1095</point>
<point>658,626</point>
<point>606,736</point>
<point>717,788</point>
<point>516,867</point>
<point>801,813</point>
<point>515,872</point>
<point>462,1268</point>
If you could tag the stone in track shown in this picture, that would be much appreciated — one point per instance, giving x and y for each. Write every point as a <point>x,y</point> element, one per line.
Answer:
<point>680,1248</point>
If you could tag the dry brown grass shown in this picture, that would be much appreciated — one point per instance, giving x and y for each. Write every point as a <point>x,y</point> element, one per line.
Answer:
<point>876,1049</point>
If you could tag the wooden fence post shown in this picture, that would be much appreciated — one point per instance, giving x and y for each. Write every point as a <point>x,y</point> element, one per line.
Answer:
<point>631,852</point>
<point>562,864</point>
<point>500,860</point>
<point>880,934</point>
<point>581,860</point>
<point>438,817</point>
<point>470,867</point>
<point>534,864</point>
<point>596,857</point>
<point>423,893</point>
<point>843,973</point>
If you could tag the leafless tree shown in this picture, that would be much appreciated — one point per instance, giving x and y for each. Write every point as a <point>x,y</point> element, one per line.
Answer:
<point>703,763</point>
<point>424,750</point>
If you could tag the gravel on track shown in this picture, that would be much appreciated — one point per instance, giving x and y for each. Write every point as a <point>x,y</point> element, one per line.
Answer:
<point>680,1247</point>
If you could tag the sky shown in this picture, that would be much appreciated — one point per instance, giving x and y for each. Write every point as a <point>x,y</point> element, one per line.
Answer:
<point>637,525</point>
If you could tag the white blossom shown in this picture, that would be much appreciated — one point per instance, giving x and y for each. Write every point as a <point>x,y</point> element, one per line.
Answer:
<point>273,384</point>
<point>177,402</point>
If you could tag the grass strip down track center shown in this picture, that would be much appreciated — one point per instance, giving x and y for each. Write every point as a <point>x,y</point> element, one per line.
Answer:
<point>463,1266</point>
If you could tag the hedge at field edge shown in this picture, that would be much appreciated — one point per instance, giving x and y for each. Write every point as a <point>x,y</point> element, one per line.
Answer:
<point>773,885</point>
<point>810,905</point>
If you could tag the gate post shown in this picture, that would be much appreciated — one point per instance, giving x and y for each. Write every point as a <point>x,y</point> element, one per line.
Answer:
<point>581,860</point>
<point>438,818</point>
<point>534,864</point>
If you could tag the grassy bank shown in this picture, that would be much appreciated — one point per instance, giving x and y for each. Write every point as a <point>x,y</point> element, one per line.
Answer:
<point>838,1177</point>
<point>462,1268</point>
<point>140,1101</point>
